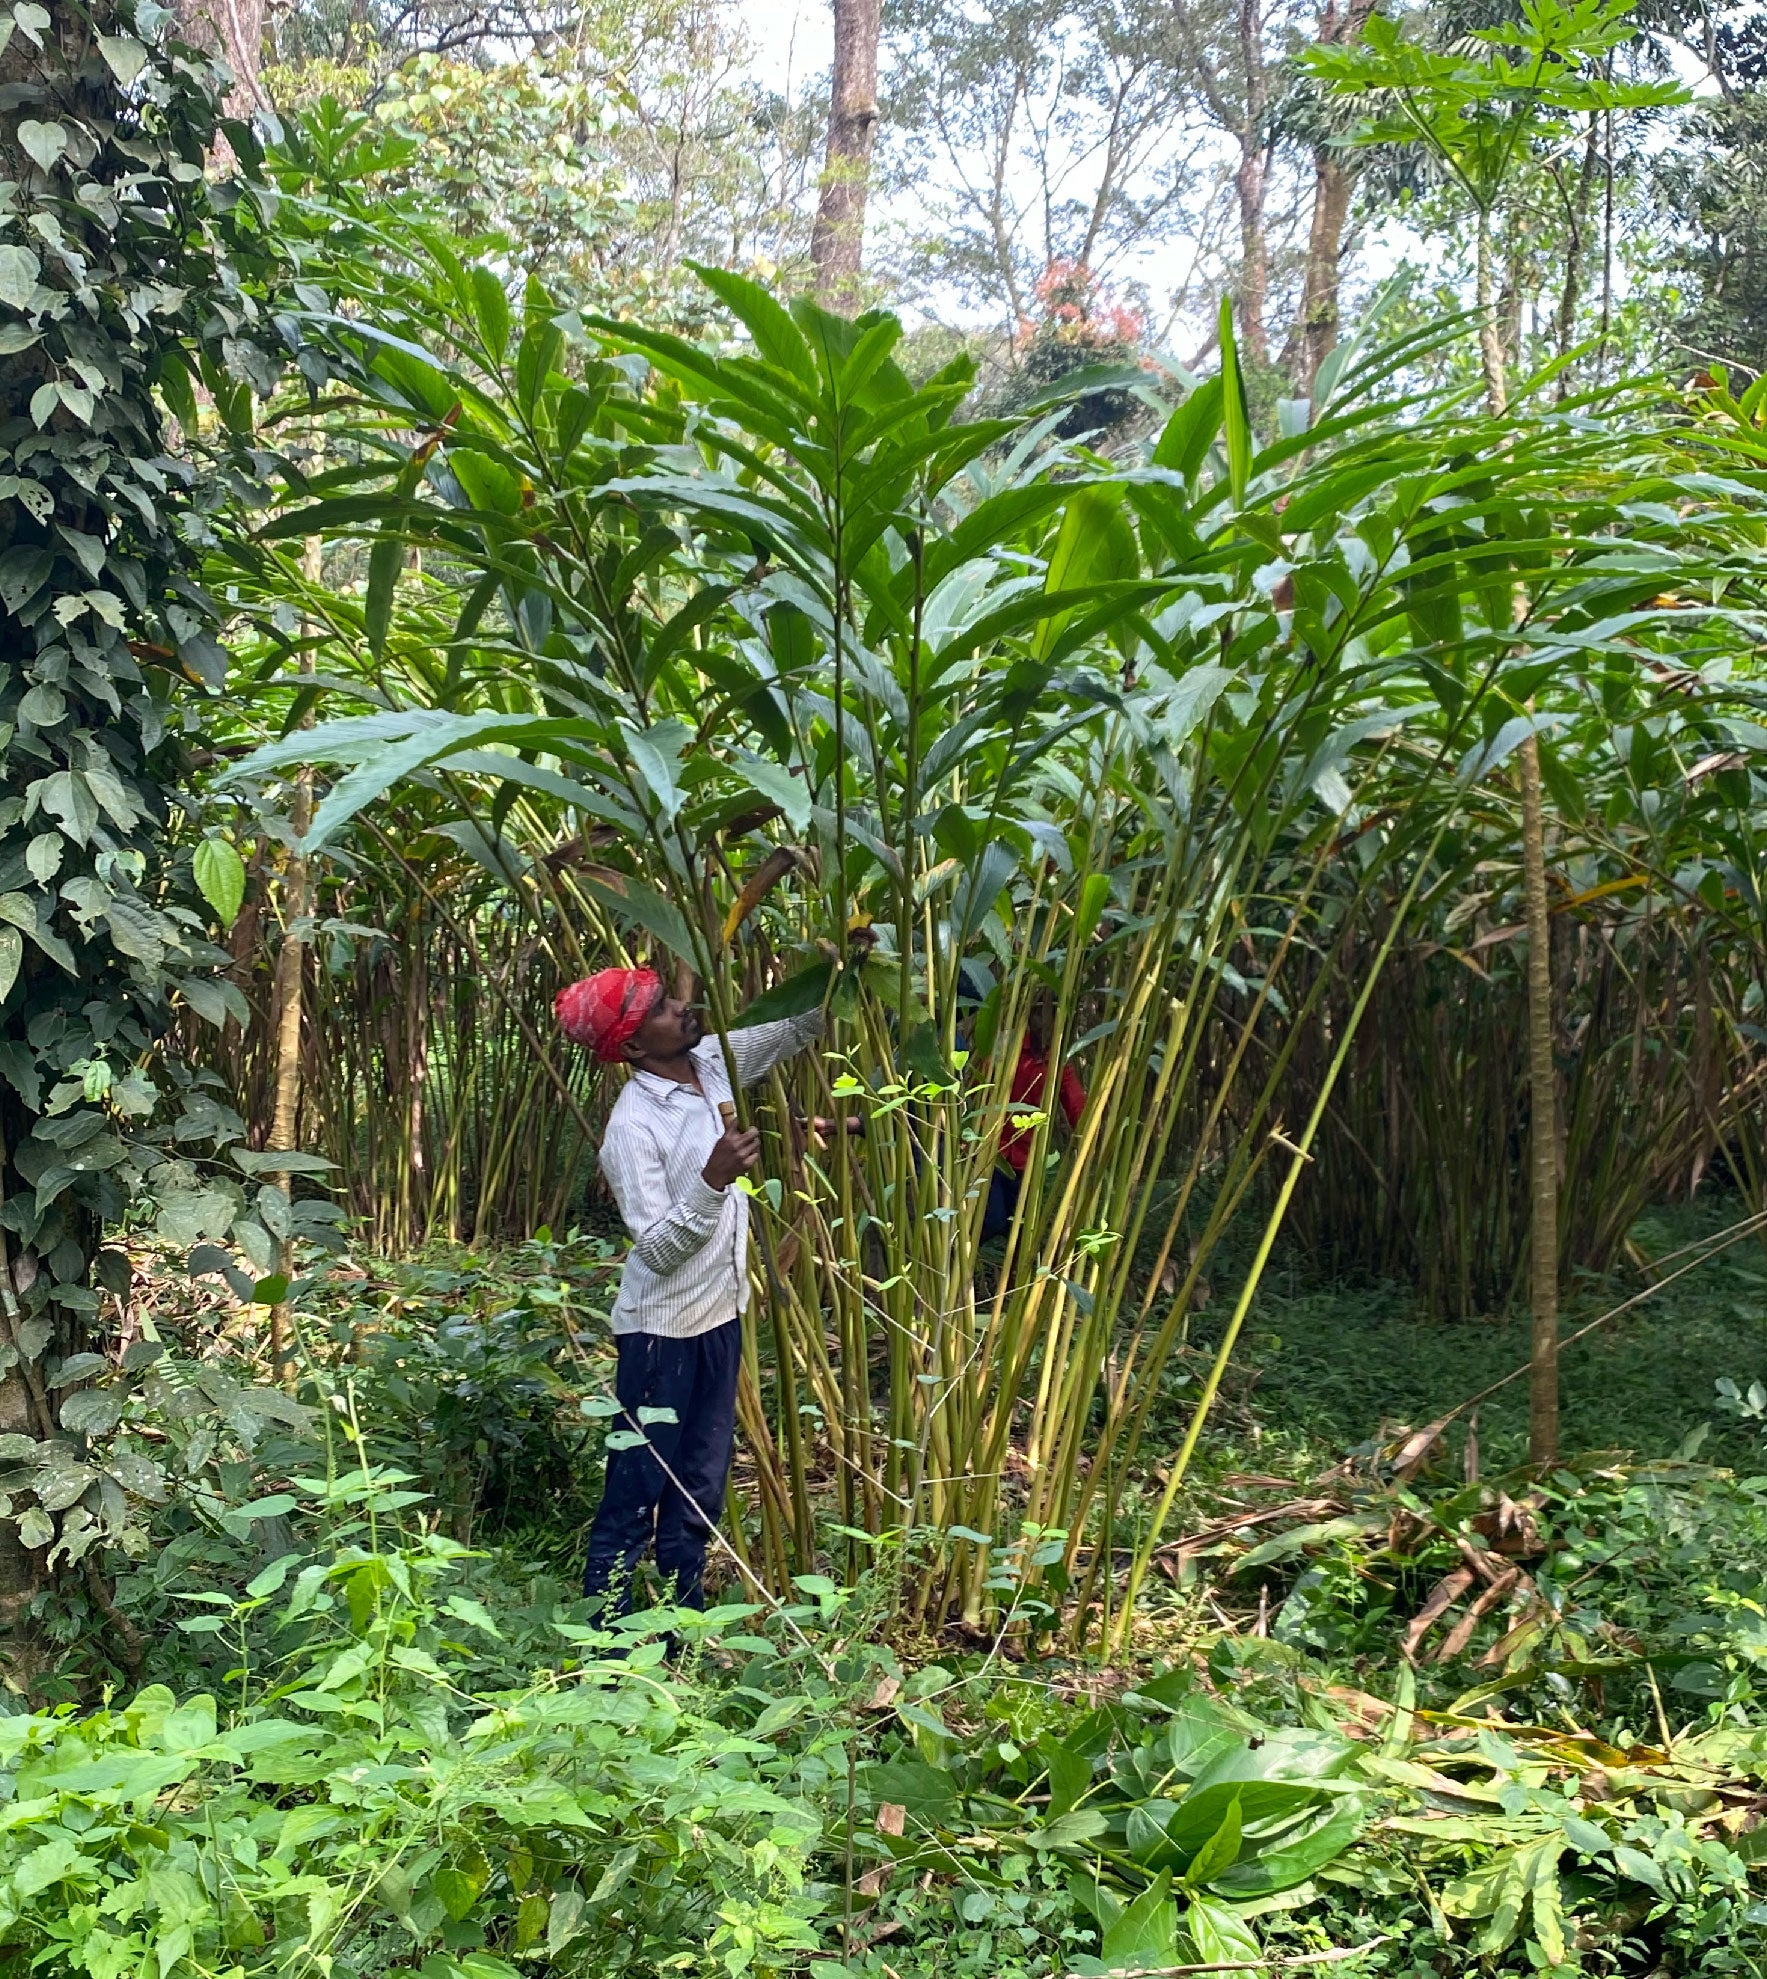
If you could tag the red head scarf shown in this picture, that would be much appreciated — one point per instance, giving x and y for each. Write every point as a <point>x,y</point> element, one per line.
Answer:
<point>604,1010</point>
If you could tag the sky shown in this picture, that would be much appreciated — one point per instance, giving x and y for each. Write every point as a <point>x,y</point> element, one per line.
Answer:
<point>792,38</point>
<point>793,42</point>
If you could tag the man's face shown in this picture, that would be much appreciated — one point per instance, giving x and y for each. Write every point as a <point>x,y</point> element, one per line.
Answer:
<point>670,1029</point>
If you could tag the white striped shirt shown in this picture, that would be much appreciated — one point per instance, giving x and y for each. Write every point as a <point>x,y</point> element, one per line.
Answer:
<point>688,1267</point>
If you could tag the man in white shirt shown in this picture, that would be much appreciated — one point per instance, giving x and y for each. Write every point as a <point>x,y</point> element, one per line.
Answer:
<point>672,1164</point>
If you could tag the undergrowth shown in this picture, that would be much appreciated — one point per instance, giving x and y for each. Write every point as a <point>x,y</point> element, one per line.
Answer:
<point>1386,1692</point>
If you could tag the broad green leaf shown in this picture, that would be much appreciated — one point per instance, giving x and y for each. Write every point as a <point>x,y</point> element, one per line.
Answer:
<point>385,561</point>
<point>177,391</point>
<point>56,1859</point>
<point>1087,378</point>
<point>1218,1853</point>
<point>541,346</point>
<point>279,1161</point>
<point>1095,892</point>
<point>633,901</point>
<point>19,269</point>
<point>1640,1867</point>
<point>219,872</point>
<point>373,778</point>
<point>1191,430</point>
<point>491,305</point>
<point>1548,1904</point>
<point>565,1917</point>
<point>1285,1864</point>
<point>1218,1933</point>
<point>457,1891</point>
<point>1096,544</point>
<point>124,56</point>
<point>1144,1932</point>
<point>491,485</point>
<point>43,143</point>
<point>656,755</point>
<point>777,784</point>
<point>91,1412</point>
<point>799,993</point>
<point>776,337</point>
<point>1070,1774</point>
<point>928,1792</point>
<point>1298,1539</point>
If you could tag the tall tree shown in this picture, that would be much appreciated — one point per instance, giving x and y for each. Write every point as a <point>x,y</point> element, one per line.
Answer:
<point>837,242</point>
<point>1484,113</point>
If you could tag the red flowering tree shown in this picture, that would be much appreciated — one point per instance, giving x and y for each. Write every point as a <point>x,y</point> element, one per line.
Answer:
<point>1081,326</point>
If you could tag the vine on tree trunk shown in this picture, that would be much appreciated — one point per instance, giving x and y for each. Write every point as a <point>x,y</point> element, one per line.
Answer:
<point>129,277</point>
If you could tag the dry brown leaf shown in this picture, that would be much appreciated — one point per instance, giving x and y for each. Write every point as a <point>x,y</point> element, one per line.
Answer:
<point>1462,1632</point>
<point>1409,1458</point>
<point>1443,1596</point>
<point>1365,1716</point>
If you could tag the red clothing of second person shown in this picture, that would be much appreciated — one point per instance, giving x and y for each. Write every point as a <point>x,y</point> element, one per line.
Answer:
<point>1030,1079</point>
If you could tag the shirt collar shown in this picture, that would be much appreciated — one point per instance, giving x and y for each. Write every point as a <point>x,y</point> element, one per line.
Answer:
<point>659,1088</point>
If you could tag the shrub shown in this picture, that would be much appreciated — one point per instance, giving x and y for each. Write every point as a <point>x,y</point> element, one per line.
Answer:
<point>354,1800</point>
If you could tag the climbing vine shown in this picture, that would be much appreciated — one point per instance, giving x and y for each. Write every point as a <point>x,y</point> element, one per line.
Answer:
<point>138,271</point>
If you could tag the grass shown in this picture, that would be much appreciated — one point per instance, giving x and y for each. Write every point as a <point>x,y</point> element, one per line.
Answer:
<point>1328,1364</point>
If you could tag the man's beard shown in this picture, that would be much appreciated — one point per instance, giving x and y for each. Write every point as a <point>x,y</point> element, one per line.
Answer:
<point>695,1028</point>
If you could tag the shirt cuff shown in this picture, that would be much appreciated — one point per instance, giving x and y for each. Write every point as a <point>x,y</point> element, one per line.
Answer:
<point>702,1202</point>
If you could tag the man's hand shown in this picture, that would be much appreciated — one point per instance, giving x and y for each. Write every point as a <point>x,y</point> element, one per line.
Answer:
<point>819,1130</point>
<point>735,1153</point>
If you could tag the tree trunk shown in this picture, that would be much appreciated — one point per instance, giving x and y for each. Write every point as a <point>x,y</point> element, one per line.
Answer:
<point>234,30</point>
<point>1316,326</point>
<point>1577,215</point>
<point>1254,262</point>
<point>1542,1123</point>
<point>1512,299</point>
<point>291,967</point>
<point>1542,1076</point>
<point>291,973</point>
<point>1490,337</point>
<point>1249,184</point>
<point>837,242</point>
<point>1315,333</point>
<point>24,1651</point>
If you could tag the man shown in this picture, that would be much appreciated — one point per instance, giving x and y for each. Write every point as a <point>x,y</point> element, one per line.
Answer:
<point>1028,1094</point>
<point>672,1164</point>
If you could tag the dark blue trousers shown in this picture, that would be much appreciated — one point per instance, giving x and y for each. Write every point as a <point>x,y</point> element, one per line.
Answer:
<point>642,1504</point>
<point>1003,1192</point>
